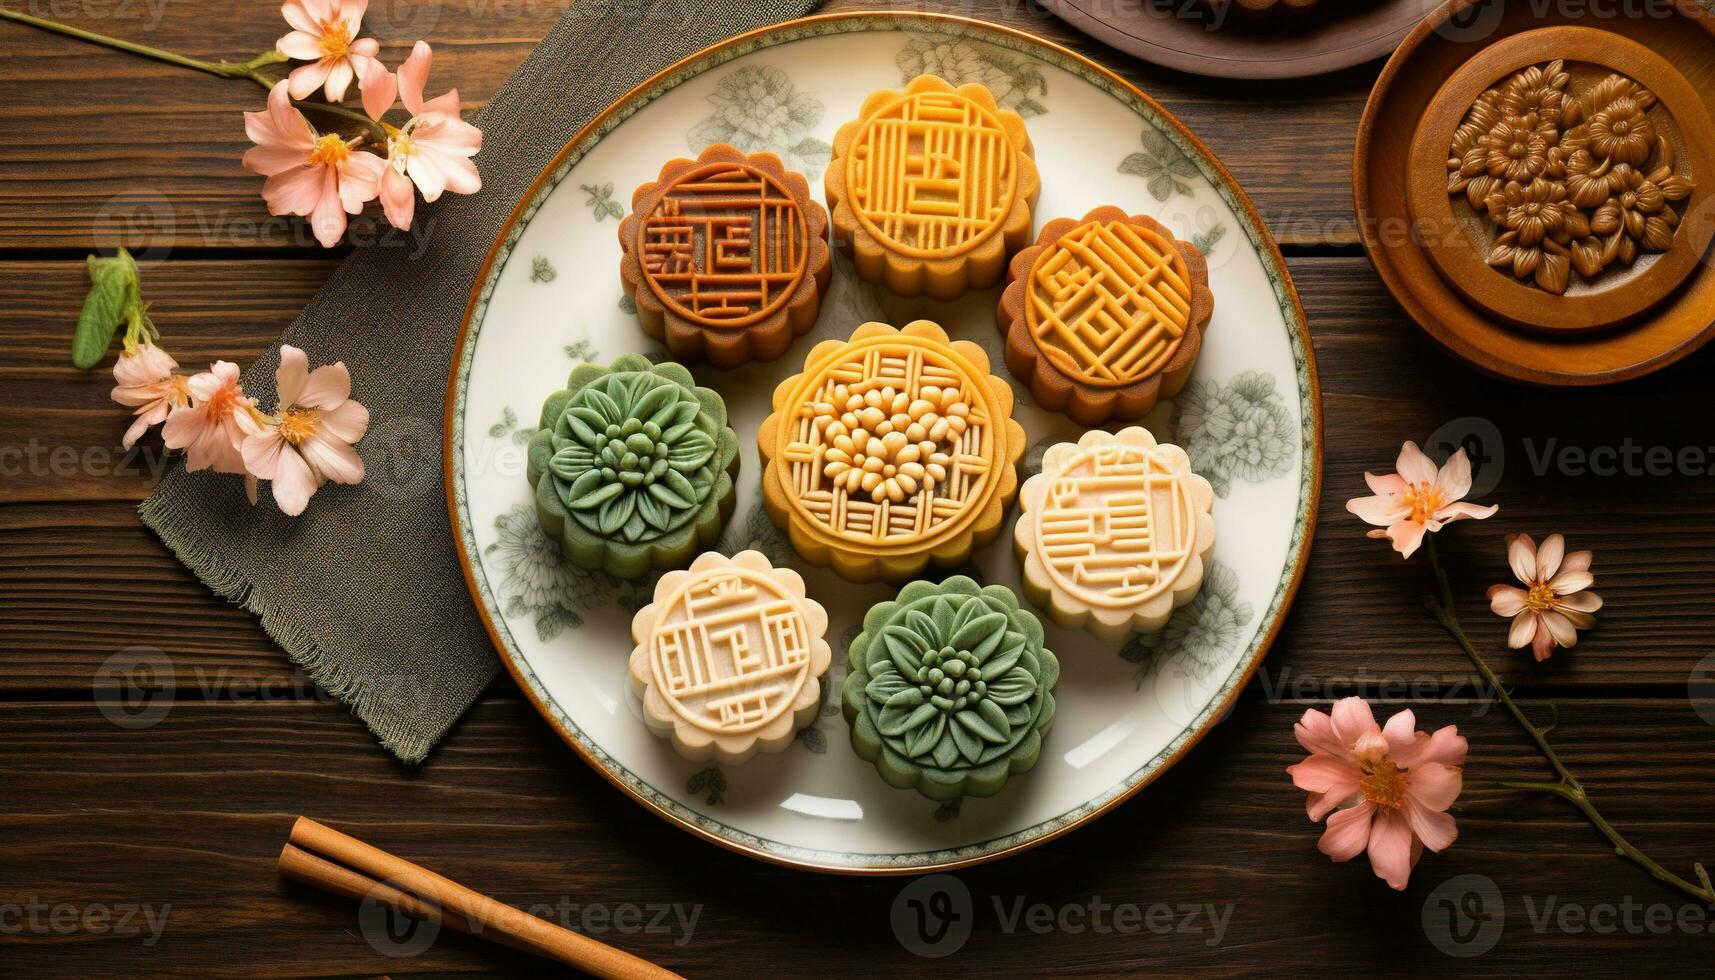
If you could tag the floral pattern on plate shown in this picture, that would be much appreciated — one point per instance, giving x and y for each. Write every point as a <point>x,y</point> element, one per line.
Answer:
<point>1241,430</point>
<point>758,107</point>
<point>1016,80</point>
<point>1201,635</point>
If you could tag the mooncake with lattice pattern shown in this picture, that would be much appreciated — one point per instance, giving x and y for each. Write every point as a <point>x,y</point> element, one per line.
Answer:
<point>1114,533</point>
<point>932,188</point>
<point>1105,315</point>
<point>726,257</point>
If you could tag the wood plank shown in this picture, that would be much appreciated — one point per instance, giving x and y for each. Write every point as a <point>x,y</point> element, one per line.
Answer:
<point>503,807</point>
<point>104,148</point>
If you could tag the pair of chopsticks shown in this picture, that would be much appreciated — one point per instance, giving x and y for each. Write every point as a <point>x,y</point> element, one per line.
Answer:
<point>324,858</point>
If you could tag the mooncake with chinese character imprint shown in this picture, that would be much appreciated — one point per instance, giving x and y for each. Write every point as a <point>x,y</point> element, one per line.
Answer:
<point>726,257</point>
<point>1105,315</point>
<point>932,188</point>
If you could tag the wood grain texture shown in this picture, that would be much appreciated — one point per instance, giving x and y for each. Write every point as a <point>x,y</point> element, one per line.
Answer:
<point>503,807</point>
<point>103,148</point>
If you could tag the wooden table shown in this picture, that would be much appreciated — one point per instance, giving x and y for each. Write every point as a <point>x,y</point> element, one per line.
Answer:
<point>183,819</point>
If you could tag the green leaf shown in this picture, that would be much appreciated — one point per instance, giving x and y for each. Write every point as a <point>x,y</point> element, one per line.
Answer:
<point>969,742</point>
<point>600,401</point>
<point>996,717</point>
<point>597,498</point>
<point>882,689</point>
<point>1013,687</point>
<point>926,737</point>
<point>979,631</point>
<point>682,488</point>
<point>692,452</point>
<point>655,400</point>
<point>660,493</point>
<point>616,512</point>
<point>906,648</point>
<point>113,294</point>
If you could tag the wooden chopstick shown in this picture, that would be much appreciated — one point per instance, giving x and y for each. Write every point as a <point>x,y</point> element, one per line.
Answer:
<point>324,858</point>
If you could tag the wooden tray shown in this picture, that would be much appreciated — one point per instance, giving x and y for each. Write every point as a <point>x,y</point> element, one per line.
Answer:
<point>1185,35</point>
<point>1434,52</point>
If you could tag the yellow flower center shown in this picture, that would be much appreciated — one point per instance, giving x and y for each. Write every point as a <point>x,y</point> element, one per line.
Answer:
<point>1540,598</point>
<point>1424,499</point>
<point>297,424</point>
<point>222,402</point>
<point>1383,783</point>
<point>330,150</point>
<point>336,39</point>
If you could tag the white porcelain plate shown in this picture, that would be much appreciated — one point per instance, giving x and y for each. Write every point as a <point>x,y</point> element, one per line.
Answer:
<point>551,298</point>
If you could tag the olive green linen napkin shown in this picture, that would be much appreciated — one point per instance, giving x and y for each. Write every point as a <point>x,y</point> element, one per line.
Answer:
<point>364,591</point>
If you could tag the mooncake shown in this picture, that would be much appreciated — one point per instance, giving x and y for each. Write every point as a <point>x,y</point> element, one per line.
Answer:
<point>1105,315</point>
<point>726,257</point>
<point>932,188</point>
<point>890,451</point>
<point>633,467</point>
<point>729,657</point>
<point>1114,533</point>
<point>949,689</point>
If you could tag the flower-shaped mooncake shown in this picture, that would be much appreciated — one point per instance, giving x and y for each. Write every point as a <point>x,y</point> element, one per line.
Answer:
<point>932,188</point>
<point>891,450</point>
<point>1105,315</point>
<point>949,689</point>
<point>633,466</point>
<point>729,657</point>
<point>726,257</point>
<point>1114,532</point>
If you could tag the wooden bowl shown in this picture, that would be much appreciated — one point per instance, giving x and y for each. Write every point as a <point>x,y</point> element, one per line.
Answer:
<point>1433,259</point>
<point>1226,41</point>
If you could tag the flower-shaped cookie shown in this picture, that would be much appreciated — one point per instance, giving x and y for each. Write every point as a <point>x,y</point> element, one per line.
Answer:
<point>1114,533</point>
<point>633,466</point>
<point>726,257</point>
<point>891,450</point>
<point>932,188</point>
<point>729,657</point>
<point>1104,315</point>
<point>949,689</point>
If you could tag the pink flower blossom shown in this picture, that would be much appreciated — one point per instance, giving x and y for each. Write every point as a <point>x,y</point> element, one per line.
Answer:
<point>432,150</point>
<point>1395,785</point>
<point>148,384</point>
<point>308,441</point>
<point>325,35</point>
<point>1553,606</point>
<point>318,176</point>
<point>216,423</point>
<point>1417,499</point>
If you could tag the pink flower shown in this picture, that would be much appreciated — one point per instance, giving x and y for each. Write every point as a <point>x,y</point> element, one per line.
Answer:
<point>308,442</point>
<point>1553,606</point>
<point>326,37</point>
<point>1417,498</point>
<point>215,425</point>
<point>433,149</point>
<point>318,176</point>
<point>1395,785</point>
<point>148,384</point>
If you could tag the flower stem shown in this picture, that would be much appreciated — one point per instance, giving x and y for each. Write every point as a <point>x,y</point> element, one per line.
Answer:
<point>244,70</point>
<point>1568,788</point>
